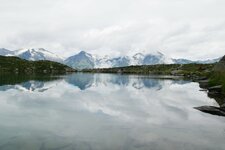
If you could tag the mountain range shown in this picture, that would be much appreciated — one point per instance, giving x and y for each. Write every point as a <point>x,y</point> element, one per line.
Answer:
<point>84,60</point>
<point>32,54</point>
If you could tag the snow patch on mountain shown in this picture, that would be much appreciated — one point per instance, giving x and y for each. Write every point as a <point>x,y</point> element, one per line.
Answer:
<point>35,54</point>
<point>102,62</point>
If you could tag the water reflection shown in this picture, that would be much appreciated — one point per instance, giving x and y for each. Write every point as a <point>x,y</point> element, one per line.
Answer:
<point>108,112</point>
<point>32,86</point>
<point>84,81</point>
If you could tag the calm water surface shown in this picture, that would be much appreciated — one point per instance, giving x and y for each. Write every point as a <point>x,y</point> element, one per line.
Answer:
<point>107,112</point>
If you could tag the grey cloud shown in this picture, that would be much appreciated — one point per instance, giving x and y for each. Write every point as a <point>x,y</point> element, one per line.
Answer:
<point>188,28</point>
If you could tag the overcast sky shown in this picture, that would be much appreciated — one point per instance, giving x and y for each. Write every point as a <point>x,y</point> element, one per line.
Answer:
<point>178,28</point>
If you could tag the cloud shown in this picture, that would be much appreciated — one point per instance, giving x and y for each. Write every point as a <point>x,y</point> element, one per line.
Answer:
<point>188,28</point>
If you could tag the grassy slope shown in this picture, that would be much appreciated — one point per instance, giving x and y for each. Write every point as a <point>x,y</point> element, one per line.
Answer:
<point>20,66</point>
<point>217,76</point>
<point>163,69</point>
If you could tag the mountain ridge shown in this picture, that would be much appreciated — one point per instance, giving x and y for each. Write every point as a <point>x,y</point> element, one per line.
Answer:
<point>84,60</point>
<point>123,61</point>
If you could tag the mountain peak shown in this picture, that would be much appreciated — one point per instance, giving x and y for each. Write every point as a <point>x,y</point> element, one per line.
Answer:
<point>80,61</point>
<point>138,54</point>
<point>82,52</point>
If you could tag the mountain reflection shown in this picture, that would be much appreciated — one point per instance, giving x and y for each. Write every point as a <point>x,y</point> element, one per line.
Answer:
<point>27,83</point>
<point>83,81</point>
<point>35,86</point>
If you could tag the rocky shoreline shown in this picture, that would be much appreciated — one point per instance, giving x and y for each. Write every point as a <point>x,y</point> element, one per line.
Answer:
<point>216,91</point>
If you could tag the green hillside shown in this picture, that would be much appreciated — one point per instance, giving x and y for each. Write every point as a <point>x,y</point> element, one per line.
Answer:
<point>217,76</point>
<point>188,70</point>
<point>15,65</point>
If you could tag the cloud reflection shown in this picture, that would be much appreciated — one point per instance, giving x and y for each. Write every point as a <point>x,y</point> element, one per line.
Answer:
<point>104,111</point>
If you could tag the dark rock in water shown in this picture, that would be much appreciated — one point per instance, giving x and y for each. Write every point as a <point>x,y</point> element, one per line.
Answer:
<point>219,111</point>
<point>204,90</point>
<point>202,78</point>
<point>223,105</point>
<point>204,84</point>
<point>219,98</point>
<point>216,89</point>
<point>215,92</point>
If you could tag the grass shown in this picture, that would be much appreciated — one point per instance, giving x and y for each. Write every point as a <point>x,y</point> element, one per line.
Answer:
<point>217,78</point>
<point>162,69</point>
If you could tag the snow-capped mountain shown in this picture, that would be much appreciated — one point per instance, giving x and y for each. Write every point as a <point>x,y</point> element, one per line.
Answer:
<point>35,54</point>
<point>138,59</point>
<point>84,60</point>
<point>120,61</point>
<point>186,61</point>
<point>6,52</point>
<point>81,61</point>
<point>32,54</point>
<point>156,58</point>
<point>141,59</point>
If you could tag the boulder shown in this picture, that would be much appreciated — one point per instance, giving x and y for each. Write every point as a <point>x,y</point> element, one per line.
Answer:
<point>218,97</point>
<point>215,89</point>
<point>204,84</point>
<point>219,111</point>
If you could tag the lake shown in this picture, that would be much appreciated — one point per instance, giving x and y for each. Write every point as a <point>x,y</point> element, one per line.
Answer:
<point>107,112</point>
